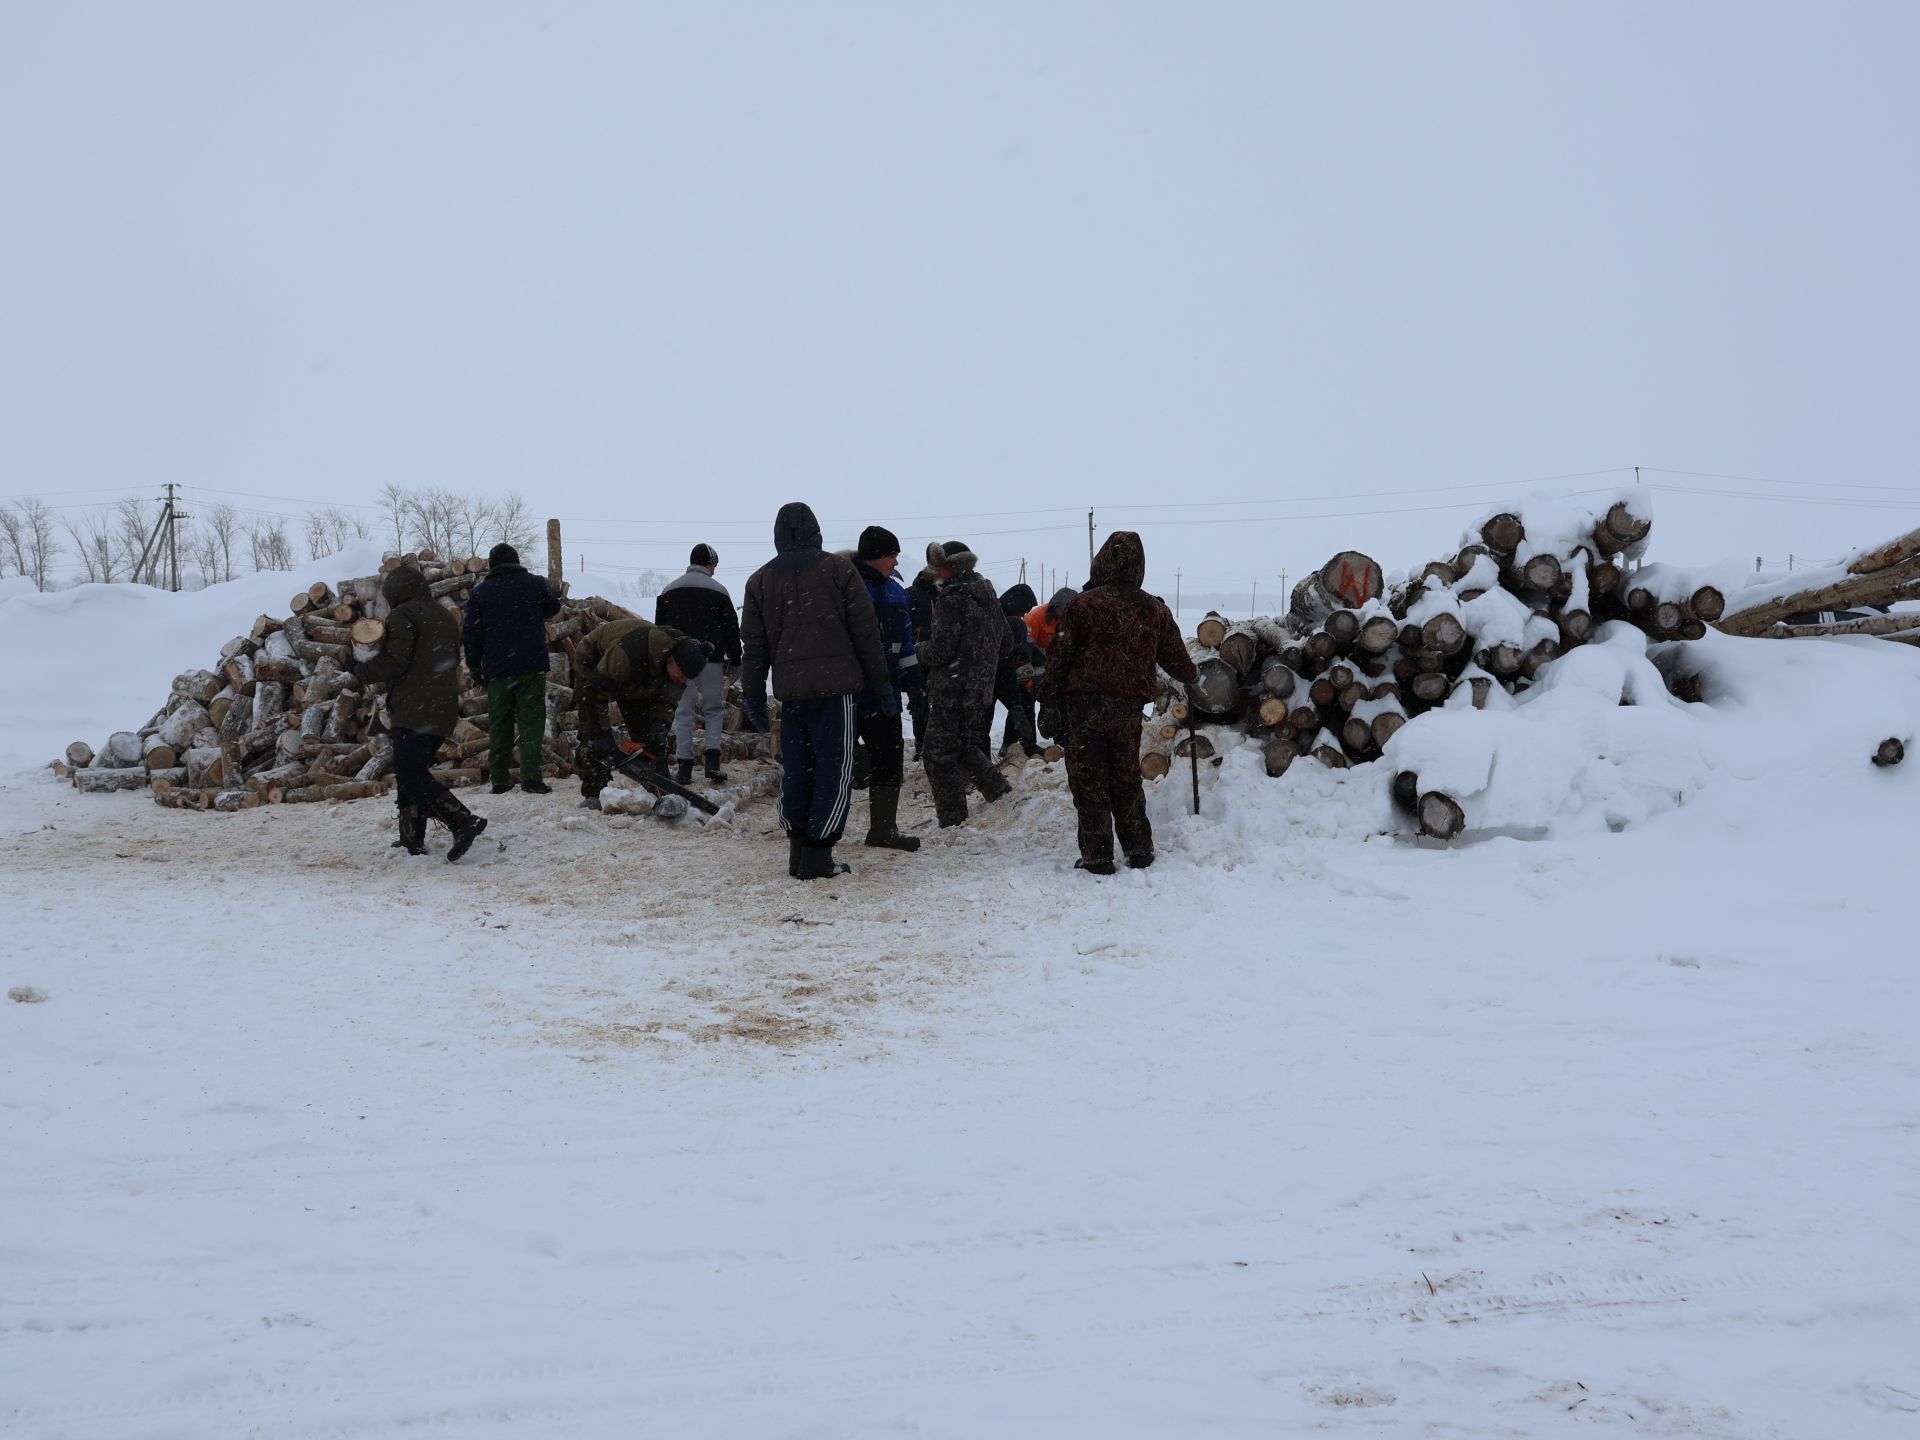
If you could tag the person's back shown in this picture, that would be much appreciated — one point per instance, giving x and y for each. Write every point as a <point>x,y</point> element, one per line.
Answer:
<point>699,605</point>
<point>1100,672</point>
<point>809,620</point>
<point>505,637</point>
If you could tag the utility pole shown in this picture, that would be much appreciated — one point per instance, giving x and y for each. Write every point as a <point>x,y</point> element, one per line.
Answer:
<point>1023,569</point>
<point>1253,605</point>
<point>1089,540</point>
<point>168,516</point>
<point>1283,582</point>
<point>1176,594</point>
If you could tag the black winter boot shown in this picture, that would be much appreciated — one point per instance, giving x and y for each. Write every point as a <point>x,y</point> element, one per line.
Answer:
<point>883,823</point>
<point>465,825</point>
<point>714,772</point>
<point>413,830</point>
<point>1094,867</point>
<point>817,863</point>
<point>501,787</point>
<point>537,787</point>
<point>794,845</point>
<point>1139,859</point>
<point>685,773</point>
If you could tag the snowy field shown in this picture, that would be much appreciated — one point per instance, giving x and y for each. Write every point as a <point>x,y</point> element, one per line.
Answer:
<point>616,1131</point>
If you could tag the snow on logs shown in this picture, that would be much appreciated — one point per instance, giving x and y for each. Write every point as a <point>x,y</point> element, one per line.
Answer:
<point>276,719</point>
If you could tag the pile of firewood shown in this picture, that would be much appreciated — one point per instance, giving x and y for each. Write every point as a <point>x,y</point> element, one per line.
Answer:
<point>1355,658</point>
<point>277,720</point>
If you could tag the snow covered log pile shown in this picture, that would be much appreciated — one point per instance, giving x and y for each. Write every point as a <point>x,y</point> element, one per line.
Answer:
<point>275,719</point>
<point>1359,655</point>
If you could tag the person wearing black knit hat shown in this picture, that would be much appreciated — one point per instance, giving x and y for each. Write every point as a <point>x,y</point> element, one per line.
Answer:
<point>875,558</point>
<point>697,604</point>
<point>505,639</point>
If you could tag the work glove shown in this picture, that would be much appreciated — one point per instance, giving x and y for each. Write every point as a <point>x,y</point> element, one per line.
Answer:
<point>602,744</point>
<point>1025,674</point>
<point>886,700</point>
<point>754,708</point>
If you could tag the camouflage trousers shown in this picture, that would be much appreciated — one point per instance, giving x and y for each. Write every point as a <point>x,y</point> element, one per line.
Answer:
<point>955,757</point>
<point>1103,772</point>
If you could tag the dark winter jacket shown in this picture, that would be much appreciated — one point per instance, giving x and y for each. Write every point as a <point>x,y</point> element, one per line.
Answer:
<point>920,596</point>
<point>625,662</point>
<point>895,615</point>
<point>1014,604</point>
<point>419,658</point>
<point>505,633</point>
<point>698,605</point>
<point>970,635</point>
<point>808,619</point>
<point>1111,636</point>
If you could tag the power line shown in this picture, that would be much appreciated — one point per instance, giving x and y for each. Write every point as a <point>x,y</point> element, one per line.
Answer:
<point>1763,480</point>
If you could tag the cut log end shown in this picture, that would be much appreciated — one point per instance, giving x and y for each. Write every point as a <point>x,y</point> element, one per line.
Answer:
<point>1441,815</point>
<point>1890,752</point>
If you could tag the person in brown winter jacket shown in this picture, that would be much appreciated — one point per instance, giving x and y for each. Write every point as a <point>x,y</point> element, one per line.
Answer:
<point>1100,673</point>
<point>419,661</point>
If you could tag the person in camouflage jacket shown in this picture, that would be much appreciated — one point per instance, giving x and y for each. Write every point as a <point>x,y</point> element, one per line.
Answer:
<point>642,668</point>
<point>969,636</point>
<point>1100,672</point>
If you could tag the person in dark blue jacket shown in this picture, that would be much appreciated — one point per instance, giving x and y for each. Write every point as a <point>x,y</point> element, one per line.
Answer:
<point>875,559</point>
<point>920,596</point>
<point>505,639</point>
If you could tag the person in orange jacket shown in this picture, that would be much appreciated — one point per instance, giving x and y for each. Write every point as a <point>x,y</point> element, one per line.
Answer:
<point>1042,621</point>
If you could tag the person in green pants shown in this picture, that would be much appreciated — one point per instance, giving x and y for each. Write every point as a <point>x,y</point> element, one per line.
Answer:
<point>505,639</point>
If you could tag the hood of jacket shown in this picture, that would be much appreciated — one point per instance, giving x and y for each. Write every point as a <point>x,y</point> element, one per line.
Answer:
<point>1121,561</point>
<point>1018,599</point>
<point>403,583</point>
<point>1062,596</point>
<point>795,529</point>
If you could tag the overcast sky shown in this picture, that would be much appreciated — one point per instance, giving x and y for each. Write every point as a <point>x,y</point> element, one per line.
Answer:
<point>663,267</point>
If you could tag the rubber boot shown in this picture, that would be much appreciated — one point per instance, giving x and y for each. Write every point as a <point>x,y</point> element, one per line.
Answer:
<point>883,823</point>
<point>685,773</point>
<point>1094,867</point>
<point>714,772</point>
<point>413,830</point>
<point>1139,859</point>
<point>465,825</point>
<point>817,863</point>
<point>794,846</point>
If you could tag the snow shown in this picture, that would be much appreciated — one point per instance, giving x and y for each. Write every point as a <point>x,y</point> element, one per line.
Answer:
<point>614,1131</point>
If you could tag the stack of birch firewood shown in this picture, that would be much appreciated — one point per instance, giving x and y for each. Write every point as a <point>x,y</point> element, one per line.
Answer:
<point>277,720</point>
<point>1355,658</point>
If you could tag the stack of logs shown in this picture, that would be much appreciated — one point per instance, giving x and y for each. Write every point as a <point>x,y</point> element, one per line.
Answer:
<point>1353,659</point>
<point>278,721</point>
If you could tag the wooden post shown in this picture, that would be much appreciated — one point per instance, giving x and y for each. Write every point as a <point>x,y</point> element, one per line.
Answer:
<point>555,577</point>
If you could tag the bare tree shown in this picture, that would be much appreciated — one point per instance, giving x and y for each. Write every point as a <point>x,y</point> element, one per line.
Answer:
<point>512,524</point>
<point>28,531</point>
<point>644,586</point>
<point>223,528</point>
<point>329,530</point>
<point>97,544</point>
<point>267,545</point>
<point>202,546</point>
<point>133,526</point>
<point>395,514</point>
<point>13,540</point>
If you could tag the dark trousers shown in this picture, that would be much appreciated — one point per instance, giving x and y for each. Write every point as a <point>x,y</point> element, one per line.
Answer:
<point>1019,702</point>
<point>1103,772</point>
<point>518,702</point>
<point>816,766</point>
<point>956,755</point>
<point>596,770</point>
<point>886,749</point>
<point>917,709</point>
<point>413,752</point>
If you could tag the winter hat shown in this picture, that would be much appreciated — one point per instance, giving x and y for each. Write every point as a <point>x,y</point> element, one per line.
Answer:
<point>502,554</point>
<point>877,541</point>
<point>689,654</point>
<point>704,554</point>
<point>954,555</point>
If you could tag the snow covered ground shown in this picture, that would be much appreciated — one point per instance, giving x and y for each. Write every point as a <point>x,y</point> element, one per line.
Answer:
<point>615,1130</point>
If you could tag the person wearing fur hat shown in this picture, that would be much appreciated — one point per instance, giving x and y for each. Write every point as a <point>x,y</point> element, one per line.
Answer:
<point>419,662</point>
<point>642,668</point>
<point>809,623</point>
<point>505,635</point>
<point>698,605</point>
<point>960,657</point>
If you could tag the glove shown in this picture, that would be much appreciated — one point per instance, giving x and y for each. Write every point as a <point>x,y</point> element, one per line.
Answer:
<point>602,744</point>
<point>1024,673</point>
<point>886,700</point>
<point>657,744</point>
<point>754,708</point>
